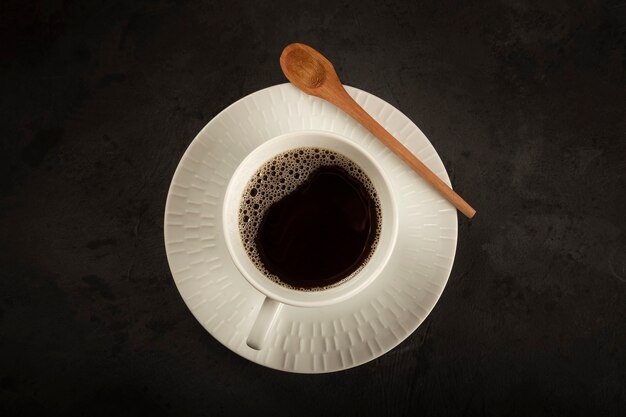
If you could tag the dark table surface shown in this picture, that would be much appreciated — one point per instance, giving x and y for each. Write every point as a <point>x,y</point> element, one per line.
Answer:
<point>524,101</point>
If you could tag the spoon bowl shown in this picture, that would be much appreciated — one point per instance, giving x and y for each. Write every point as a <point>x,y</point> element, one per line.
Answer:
<point>307,69</point>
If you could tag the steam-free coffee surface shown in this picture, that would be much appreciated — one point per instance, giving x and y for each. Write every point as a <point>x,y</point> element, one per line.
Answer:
<point>321,232</point>
<point>309,218</point>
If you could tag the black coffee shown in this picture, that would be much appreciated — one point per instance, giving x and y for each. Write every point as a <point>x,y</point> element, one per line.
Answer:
<point>310,218</point>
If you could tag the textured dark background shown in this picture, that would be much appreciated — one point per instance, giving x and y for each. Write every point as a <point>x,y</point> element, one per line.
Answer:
<point>525,102</point>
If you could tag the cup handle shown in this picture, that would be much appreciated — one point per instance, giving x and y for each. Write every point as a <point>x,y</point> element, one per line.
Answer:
<point>263,323</point>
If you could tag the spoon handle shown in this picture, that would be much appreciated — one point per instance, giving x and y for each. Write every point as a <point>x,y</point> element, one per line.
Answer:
<point>342,99</point>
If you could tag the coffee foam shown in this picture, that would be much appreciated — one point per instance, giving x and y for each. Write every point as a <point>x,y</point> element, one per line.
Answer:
<point>277,178</point>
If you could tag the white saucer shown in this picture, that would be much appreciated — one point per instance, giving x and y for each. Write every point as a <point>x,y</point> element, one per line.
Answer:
<point>307,340</point>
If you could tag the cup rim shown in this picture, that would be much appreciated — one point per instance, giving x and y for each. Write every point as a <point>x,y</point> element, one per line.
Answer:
<point>281,293</point>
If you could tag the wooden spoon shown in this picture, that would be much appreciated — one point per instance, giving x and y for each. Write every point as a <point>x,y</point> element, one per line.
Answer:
<point>312,73</point>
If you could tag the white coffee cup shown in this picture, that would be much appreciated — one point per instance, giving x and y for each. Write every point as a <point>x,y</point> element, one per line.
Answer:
<point>277,295</point>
